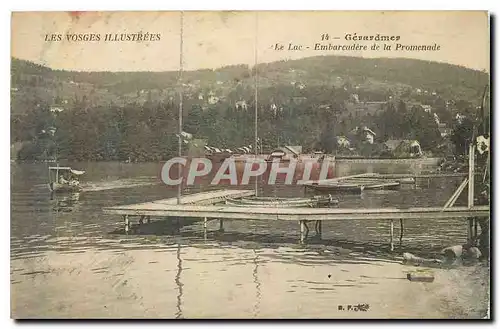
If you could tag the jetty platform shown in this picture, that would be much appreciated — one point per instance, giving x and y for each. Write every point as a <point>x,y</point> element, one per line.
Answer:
<point>210,205</point>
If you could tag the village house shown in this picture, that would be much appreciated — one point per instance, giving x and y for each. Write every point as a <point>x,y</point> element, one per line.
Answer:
<point>459,117</point>
<point>369,135</point>
<point>213,100</point>
<point>427,108</point>
<point>444,130</point>
<point>364,134</point>
<point>354,98</point>
<point>56,109</point>
<point>436,118</point>
<point>343,142</point>
<point>241,105</point>
<point>404,147</point>
<point>286,152</point>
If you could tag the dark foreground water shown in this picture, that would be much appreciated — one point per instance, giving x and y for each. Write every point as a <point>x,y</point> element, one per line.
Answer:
<point>68,260</point>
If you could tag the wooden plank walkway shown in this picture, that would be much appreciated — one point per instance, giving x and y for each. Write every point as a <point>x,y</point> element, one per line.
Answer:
<point>294,214</point>
<point>203,206</point>
<point>203,198</point>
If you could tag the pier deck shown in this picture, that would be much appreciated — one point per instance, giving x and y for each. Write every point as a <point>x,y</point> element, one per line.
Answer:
<point>204,206</point>
<point>203,198</point>
<point>294,214</point>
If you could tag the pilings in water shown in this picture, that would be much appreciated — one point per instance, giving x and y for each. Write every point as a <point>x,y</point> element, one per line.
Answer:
<point>302,231</point>
<point>392,235</point>
<point>401,230</point>
<point>319,228</point>
<point>127,223</point>
<point>472,222</point>
<point>472,230</point>
<point>205,222</point>
<point>166,208</point>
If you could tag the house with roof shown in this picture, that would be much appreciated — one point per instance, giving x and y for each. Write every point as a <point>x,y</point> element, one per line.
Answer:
<point>444,130</point>
<point>363,134</point>
<point>241,105</point>
<point>289,151</point>
<point>404,147</point>
<point>343,142</point>
<point>427,108</point>
<point>56,109</point>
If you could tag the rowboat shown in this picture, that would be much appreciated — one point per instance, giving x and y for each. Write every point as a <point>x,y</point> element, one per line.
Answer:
<point>336,187</point>
<point>64,179</point>
<point>381,185</point>
<point>315,201</point>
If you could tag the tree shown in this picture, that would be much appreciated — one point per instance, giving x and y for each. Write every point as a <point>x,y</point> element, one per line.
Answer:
<point>328,141</point>
<point>461,135</point>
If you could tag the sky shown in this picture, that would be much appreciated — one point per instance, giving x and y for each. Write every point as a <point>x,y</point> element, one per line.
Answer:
<point>215,39</point>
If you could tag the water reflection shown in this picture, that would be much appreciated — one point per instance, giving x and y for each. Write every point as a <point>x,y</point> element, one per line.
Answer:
<point>254,268</point>
<point>65,202</point>
<point>178,282</point>
<point>258,294</point>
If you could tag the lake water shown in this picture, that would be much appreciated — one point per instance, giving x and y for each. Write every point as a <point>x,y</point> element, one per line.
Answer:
<point>69,260</point>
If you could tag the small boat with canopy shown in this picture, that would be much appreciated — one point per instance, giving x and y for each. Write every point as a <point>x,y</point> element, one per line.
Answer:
<point>64,179</point>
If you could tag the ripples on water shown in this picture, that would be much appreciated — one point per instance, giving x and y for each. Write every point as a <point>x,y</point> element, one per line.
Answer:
<point>65,250</point>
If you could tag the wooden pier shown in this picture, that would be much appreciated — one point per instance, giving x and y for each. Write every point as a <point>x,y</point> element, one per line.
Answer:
<point>204,206</point>
<point>202,198</point>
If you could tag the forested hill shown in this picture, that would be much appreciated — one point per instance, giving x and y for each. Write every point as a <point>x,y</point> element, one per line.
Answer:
<point>117,115</point>
<point>449,81</point>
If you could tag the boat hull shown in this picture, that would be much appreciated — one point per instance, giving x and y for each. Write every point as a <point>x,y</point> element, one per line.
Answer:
<point>283,202</point>
<point>330,188</point>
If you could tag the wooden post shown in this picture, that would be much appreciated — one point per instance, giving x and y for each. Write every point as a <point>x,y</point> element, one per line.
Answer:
<point>302,230</point>
<point>127,224</point>
<point>221,225</point>
<point>392,234</point>
<point>401,229</point>
<point>475,229</point>
<point>148,219</point>
<point>469,230</point>
<point>320,227</point>
<point>205,228</point>
<point>470,202</point>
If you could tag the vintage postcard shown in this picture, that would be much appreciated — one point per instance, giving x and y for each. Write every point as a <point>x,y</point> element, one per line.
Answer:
<point>250,165</point>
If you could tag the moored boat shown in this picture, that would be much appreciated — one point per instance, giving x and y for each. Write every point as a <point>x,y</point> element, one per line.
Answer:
<point>336,188</point>
<point>316,201</point>
<point>64,179</point>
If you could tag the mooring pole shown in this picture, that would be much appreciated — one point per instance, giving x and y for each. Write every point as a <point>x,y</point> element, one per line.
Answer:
<point>127,226</point>
<point>221,225</point>
<point>302,230</point>
<point>181,67</point>
<point>401,229</point>
<point>392,234</point>
<point>205,228</point>
<point>470,202</point>
<point>470,195</point>
<point>470,233</point>
<point>256,98</point>
<point>475,229</point>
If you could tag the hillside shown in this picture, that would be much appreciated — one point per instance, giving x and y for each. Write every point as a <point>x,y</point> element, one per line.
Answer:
<point>363,76</point>
<point>121,115</point>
